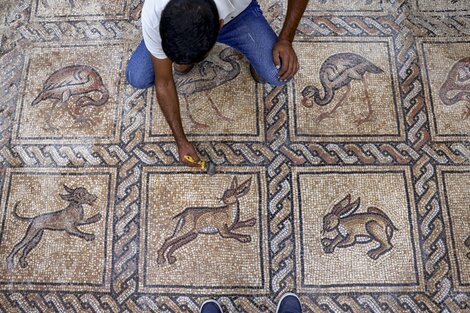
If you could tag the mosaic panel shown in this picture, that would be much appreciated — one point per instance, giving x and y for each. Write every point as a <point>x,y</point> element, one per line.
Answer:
<point>346,89</point>
<point>447,71</point>
<point>328,6</point>
<point>53,223</point>
<point>210,106</point>
<point>407,162</point>
<point>186,216</point>
<point>444,6</point>
<point>69,99</point>
<point>455,198</point>
<point>78,9</point>
<point>357,230</point>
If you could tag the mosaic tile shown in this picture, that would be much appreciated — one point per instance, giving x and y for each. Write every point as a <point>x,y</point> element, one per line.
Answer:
<point>346,89</point>
<point>75,9</point>
<point>390,142</point>
<point>74,100</point>
<point>328,6</point>
<point>453,183</point>
<point>460,6</point>
<point>447,69</point>
<point>214,110</point>
<point>53,223</point>
<point>382,242</point>
<point>186,215</point>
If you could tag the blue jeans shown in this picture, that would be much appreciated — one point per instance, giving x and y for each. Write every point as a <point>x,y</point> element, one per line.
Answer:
<point>248,33</point>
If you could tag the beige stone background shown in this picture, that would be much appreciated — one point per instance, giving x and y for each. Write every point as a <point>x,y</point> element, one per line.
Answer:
<point>214,261</point>
<point>58,258</point>
<point>411,160</point>
<point>43,63</point>
<point>440,58</point>
<point>319,192</point>
<point>385,118</point>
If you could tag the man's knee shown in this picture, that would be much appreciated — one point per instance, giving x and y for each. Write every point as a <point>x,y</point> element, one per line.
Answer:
<point>136,80</point>
<point>272,77</point>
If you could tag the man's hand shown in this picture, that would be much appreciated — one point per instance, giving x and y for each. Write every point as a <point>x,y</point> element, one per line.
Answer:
<point>285,59</point>
<point>186,148</point>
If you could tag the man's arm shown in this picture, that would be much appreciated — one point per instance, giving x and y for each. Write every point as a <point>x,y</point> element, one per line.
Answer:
<point>283,53</point>
<point>170,106</point>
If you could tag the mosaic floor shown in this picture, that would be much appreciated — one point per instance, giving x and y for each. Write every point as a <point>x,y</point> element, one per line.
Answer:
<point>383,156</point>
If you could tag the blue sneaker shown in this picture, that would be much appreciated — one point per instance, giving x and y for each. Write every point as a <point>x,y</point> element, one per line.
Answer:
<point>289,303</point>
<point>210,306</point>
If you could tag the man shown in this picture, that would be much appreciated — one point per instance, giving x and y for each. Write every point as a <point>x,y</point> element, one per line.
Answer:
<point>184,31</point>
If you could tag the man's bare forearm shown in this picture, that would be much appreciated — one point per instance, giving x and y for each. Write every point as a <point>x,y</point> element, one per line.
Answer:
<point>295,10</point>
<point>169,104</point>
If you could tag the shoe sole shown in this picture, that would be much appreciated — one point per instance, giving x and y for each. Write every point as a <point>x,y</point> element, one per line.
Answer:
<point>283,297</point>
<point>213,301</point>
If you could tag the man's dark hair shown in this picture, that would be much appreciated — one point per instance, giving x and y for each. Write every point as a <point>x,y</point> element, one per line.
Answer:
<point>189,29</point>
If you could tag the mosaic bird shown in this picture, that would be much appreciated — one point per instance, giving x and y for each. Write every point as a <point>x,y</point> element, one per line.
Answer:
<point>75,80</point>
<point>337,72</point>
<point>456,87</point>
<point>211,75</point>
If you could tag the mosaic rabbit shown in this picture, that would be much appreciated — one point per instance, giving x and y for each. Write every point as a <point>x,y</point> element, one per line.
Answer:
<point>223,220</point>
<point>352,228</point>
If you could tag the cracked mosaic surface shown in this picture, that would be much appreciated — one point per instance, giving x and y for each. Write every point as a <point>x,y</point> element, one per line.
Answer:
<point>386,151</point>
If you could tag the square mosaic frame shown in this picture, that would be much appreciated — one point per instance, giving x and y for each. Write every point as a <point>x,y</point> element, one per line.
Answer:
<point>20,281</point>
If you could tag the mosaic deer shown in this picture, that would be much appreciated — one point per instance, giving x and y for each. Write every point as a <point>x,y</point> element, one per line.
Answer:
<point>195,221</point>
<point>68,220</point>
<point>352,228</point>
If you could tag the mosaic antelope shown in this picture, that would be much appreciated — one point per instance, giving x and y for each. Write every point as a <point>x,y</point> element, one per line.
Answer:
<point>68,220</point>
<point>357,228</point>
<point>211,75</point>
<point>337,72</point>
<point>45,3</point>
<point>75,80</point>
<point>456,88</point>
<point>195,221</point>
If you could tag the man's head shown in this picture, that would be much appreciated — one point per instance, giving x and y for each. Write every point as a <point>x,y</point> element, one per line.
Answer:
<point>189,29</point>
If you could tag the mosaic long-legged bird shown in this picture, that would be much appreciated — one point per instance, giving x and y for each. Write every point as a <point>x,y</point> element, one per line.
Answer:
<point>75,80</point>
<point>456,88</point>
<point>337,72</point>
<point>211,75</point>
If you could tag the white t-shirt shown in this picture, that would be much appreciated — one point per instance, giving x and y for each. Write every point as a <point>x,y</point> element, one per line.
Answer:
<point>152,11</point>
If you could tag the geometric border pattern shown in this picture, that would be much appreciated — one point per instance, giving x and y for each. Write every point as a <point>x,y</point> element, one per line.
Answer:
<point>277,155</point>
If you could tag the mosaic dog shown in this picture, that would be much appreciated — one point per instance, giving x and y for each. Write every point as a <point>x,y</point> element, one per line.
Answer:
<point>68,220</point>
<point>195,221</point>
<point>352,228</point>
<point>75,80</point>
<point>456,88</point>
